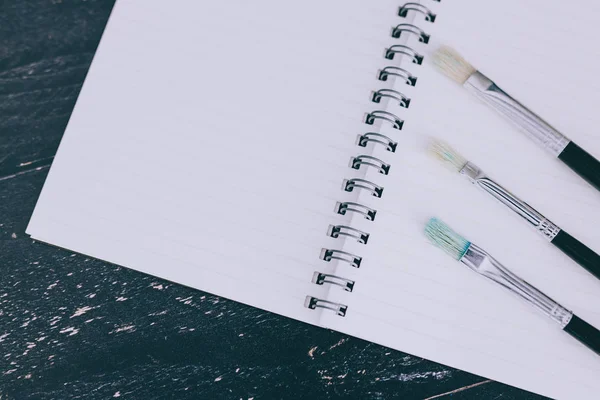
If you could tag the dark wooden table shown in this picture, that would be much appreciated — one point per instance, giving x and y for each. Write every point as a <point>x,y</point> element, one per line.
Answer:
<point>75,327</point>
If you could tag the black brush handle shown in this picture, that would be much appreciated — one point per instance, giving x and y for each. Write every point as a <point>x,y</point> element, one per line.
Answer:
<point>584,332</point>
<point>579,252</point>
<point>583,163</point>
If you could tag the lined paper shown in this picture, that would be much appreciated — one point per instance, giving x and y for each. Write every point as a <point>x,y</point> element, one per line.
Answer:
<point>412,296</point>
<point>210,141</point>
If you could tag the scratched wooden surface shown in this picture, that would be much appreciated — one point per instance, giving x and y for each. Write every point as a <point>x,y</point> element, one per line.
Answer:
<point>74,327</point>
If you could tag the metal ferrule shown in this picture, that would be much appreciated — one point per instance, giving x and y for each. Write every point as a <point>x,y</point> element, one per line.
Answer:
<point>481,262</point>
<point>542,225</point>
<point>532,125</point>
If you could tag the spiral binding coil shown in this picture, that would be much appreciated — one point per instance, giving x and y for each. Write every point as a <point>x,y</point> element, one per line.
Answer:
<point>393,94</point>
<point>364,139</point>
<point>429,16</point>
<point>335,231</point>
<point>396,122</point>
<point>400,28</point>
<point>314,303</point>
<point>320,278</point>
<point>361,161</point>
<point>350,184</point>
<point>402,49</point>
<point>343,208</point>
<point>409,79</point>
<point>330,255</point>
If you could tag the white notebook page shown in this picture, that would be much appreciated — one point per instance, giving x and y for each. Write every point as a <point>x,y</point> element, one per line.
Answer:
<point>210,141</point>
<point>410,295</point>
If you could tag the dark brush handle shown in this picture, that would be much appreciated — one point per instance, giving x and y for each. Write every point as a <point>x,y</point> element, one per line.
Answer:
<point>579,252</point>
<point>584,332</point>
<point>583,163</point>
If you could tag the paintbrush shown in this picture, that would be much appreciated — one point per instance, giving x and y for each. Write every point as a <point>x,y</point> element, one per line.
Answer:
<point>484,264</point>
<point>572,247</point>
<point>449,62</point>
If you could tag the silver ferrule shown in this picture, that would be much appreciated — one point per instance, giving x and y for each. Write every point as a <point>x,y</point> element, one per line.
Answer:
<point>481,262</point>
<point>532,125</point>
<point>542,225</point>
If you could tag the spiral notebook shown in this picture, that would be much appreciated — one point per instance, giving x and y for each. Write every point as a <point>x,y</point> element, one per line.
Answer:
<point>273,153</point>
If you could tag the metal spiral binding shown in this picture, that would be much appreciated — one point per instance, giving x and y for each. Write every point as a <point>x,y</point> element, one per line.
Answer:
<point>385,73</point>
<point>320,278</point>
<point>364,139</point>
<point>396,122</point>
<point>336,231</point>
<point>343,208</point>
<point>350,184</point>
<point>410,28</point>
<point>429,16</point>
<point>313,303</point>
<point>358,161</point>
<point>330,254</point>
<point>402,49</point>
<point>393,94</point>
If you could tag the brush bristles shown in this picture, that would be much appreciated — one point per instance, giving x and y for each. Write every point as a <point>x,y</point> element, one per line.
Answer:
<point>446,239</point>
<point>449,62</point>
<point>450,157</point>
